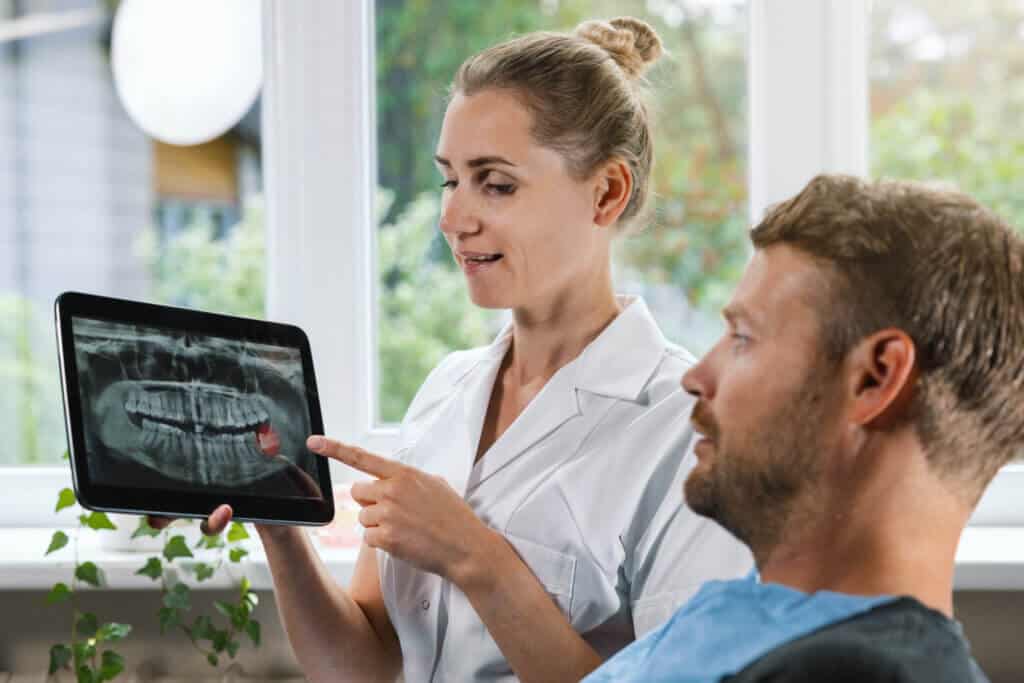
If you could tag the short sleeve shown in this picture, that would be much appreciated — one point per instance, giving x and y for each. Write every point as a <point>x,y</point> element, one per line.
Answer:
<point>678,552</point>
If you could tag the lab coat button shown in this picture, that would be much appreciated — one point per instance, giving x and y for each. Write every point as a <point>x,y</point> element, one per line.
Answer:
<point>425,604</point>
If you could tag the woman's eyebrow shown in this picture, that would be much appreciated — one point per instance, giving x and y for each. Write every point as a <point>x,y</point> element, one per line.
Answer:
<point>474,163</point>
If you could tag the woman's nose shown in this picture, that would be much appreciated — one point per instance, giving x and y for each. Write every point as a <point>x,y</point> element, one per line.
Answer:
<point>456,216</point>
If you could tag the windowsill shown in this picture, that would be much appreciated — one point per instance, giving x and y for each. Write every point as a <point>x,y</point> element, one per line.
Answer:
<point>989,558</point>
<point>23,567</point>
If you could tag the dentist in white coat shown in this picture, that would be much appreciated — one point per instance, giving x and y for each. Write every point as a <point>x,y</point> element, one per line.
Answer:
<point>531,524</point>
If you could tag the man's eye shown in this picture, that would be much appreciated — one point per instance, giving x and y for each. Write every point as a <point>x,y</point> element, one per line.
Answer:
<point>739,340</point>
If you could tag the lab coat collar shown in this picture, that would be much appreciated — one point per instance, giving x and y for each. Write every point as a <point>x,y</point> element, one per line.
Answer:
<point>624,356</point>
<point>616,364</point>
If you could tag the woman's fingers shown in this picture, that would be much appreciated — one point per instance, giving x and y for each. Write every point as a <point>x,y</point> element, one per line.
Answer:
<point>217,521</point>
<point>158,522</point>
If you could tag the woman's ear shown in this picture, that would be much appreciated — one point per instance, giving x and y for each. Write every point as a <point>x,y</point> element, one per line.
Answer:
<point>884,378</point>
<point>613,190</point>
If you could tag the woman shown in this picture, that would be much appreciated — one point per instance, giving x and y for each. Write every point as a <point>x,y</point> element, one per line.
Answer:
<point>531,524</point>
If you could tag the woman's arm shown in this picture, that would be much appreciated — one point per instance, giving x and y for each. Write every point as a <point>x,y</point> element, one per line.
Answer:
<point>336,635</point>
<point>532,632</point>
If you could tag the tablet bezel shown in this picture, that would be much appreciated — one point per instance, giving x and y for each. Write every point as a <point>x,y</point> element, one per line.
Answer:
<point>173,503</point>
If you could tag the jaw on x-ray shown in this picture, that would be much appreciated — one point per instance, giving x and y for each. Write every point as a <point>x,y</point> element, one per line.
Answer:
<point>200,411</point>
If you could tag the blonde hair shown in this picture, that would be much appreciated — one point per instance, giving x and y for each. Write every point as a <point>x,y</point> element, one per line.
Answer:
<point>585,91</point>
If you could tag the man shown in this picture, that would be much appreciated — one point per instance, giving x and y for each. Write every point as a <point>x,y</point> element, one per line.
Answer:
<point>868,388</point>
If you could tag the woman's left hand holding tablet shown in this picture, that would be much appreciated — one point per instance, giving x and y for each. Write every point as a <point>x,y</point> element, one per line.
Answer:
<point>415,516</point>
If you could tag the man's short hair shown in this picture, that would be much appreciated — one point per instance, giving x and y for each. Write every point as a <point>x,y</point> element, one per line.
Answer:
<point>945,270</point>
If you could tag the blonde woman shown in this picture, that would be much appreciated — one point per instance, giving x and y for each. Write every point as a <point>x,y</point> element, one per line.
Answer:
<point>531,524</point>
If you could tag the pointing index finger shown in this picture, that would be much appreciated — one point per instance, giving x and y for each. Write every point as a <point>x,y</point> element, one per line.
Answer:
<point>354,457</point>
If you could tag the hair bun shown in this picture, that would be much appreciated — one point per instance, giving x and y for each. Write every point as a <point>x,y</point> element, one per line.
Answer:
<point>632,43</point>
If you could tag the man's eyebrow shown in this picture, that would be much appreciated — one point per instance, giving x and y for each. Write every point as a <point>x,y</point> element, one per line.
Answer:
<point>474,163</point>
<point>736,312</point>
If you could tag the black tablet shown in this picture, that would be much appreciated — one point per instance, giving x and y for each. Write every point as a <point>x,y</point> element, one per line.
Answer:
<point>172,411</point>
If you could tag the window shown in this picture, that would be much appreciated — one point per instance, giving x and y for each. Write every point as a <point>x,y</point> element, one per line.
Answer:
<point>684,263</point>
<point>791,78</point>
<point>89,202</point>
<point>943,102</point>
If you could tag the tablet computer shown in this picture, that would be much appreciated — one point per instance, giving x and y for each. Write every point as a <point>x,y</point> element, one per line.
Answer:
<point>171,411</point>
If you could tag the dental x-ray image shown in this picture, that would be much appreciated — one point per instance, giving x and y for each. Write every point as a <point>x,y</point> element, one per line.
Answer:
<point>169,410</point>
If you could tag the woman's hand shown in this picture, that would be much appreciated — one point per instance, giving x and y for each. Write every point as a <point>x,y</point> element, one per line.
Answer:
<point>414,516</point>
<point>211,526</point>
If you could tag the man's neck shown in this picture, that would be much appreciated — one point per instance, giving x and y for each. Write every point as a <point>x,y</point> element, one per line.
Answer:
<point>896,534</point>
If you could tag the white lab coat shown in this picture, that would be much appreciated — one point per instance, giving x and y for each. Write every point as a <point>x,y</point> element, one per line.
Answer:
<point>586,484</point>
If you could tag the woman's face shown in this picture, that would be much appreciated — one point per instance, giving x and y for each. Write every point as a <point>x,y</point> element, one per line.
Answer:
<point>520,227</point>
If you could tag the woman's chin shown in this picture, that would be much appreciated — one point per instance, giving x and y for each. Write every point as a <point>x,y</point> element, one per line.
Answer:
<point>489,299</point>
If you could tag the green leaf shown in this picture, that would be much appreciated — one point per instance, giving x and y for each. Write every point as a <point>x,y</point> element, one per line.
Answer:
<point>87,625</point>
<point>59,540</point>
<point>178,597</point>
<point>98,521</point>
<point>225,608</point>
<point>169,618</point>
<point>245,586</point>
<point>66,456</point>
<point>253,629</point>
<point>252,599</point>
<point>220,640</point>
<point>153,568</point>
<point>210,542</point>
<point>212,659</point>
<point>203,571</point>
<point>176,547</point>
<point>90,573</point>
<point>237,554</point>
<point>86,675</point>
<point>113,632</point>
<point>84,650</point>
<point>144,529</point>
<point>60,655</point>
<point>111,664</point>
<point>237,532</point>
<point>202,629</point>
<point>59,593</point>
<point>65,499</point>
<point>232,647</point>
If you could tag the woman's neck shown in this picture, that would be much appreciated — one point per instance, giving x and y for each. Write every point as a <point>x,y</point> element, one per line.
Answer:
<point>545,338</point>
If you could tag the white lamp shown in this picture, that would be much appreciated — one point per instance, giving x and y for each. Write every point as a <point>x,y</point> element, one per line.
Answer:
<point>187,70</point>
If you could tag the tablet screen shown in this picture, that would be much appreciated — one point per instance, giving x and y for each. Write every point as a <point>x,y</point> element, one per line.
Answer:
<point>163,409</point>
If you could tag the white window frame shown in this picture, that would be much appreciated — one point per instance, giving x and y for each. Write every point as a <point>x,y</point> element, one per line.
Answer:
<point>808,99</point>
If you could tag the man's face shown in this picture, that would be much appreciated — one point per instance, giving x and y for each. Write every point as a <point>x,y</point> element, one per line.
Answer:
<point>768,402</point>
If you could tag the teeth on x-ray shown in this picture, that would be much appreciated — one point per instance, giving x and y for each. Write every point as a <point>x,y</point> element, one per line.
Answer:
<point>212,411</point>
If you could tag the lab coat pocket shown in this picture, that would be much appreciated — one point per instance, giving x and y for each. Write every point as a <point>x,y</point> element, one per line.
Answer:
<point>555,570</point>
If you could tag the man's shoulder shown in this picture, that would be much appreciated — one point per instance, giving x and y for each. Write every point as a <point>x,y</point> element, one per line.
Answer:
<point>899,642</point>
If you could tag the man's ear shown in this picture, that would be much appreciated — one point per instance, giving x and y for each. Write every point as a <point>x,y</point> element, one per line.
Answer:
<point>885,371</point>
<point>613,190</point>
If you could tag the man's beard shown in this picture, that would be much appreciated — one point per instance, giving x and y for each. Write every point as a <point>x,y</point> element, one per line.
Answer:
<point>755,483</point>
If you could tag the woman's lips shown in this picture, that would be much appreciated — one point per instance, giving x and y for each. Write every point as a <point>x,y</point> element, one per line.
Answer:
<point>474,267</point>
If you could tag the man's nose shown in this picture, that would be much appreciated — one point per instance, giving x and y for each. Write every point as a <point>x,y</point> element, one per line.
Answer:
<point>697,380</point>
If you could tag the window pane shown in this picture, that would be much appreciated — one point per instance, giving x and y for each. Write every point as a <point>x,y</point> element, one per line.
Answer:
<point>686,260</point>
<point>946,96</point>
<point>89,202</point>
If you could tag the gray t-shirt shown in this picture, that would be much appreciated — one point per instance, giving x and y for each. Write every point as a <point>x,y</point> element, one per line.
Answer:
<point>899,642</point>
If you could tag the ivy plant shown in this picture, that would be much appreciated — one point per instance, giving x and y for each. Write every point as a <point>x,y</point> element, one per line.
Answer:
<point>89,653</point>
<point>213,636</point>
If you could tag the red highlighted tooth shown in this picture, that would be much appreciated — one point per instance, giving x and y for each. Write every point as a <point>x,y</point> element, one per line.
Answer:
<point>268,440</point>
